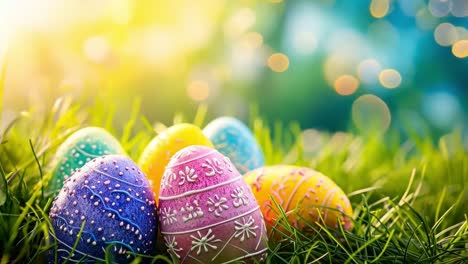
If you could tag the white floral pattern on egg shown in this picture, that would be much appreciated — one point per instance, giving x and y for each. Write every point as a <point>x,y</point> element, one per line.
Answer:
<point>207,212</point>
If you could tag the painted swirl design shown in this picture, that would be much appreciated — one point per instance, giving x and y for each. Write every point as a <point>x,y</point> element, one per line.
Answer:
<point>306,196</point>
<point>78,149</point>
<point>111,199</point>
<point>207,212</point>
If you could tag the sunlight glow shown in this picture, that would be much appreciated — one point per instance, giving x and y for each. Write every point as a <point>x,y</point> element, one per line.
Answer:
<point>121,11</point>
<point>160,47</point>
<point>96,49</point>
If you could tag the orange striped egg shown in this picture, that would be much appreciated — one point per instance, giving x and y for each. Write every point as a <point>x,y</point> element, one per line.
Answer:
<point>302,193</point>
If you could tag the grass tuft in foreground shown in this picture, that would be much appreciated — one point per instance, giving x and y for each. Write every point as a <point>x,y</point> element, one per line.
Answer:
<point>409,196</point>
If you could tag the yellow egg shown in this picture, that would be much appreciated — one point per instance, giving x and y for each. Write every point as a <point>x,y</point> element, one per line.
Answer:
<point>302,193</point>
<point>159,151</point>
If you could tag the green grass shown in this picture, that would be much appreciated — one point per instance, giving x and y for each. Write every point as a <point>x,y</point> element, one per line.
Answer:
<point>409,196</point>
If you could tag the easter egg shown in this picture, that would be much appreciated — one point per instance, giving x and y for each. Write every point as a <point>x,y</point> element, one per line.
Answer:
<point>302,193</point>
<point>235,140</point>
<point>207,213</point>
<point>79,148</point>
<point>159,151</point>
<point>106,203</point>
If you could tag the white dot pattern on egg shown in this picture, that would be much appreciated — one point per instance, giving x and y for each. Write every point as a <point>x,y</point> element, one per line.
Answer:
<point>111,203</point>
<point>207,212</point>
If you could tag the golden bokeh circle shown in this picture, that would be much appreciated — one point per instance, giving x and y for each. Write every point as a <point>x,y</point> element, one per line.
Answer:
<point>278,62</point>
<point>198,90</point>
<point>460,49</point>
<point>390,78</point>
<point>346,84</point>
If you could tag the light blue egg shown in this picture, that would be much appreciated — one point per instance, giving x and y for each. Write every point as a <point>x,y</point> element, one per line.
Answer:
<point>236,141</point>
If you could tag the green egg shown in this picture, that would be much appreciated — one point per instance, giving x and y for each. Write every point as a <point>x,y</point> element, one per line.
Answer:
<point>82,146</point>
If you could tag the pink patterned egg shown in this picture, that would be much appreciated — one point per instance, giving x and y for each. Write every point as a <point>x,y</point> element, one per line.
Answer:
<point>207,212</point>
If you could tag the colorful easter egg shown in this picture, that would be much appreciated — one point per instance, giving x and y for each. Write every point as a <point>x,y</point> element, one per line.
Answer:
<point>207,212</point>
<point>110,201</point>
<point>234,139</point>
<point>301,192</point>
<point>159,151</point>
<point>79,148</point>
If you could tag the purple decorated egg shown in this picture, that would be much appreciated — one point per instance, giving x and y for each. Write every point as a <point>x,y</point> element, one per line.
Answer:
<point>107,204</point>
<point>207,212</point>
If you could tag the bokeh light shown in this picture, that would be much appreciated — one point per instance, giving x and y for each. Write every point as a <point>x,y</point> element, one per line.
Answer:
<point>442,109</point>
<point>384,33</point>
<point>240,22</point>
<point>390,78</point>
<point>346,85</point>
<point>368,71</point>
<point>339,64</point>
<point>159,47</point>
<point>180,53</point>
<point>252,40</point>
<point>459,8</point>
<point>462,33</point>
<point>411,8</point>
<point>96,49</point>
<point>379,8</point>
<point>460,49</point>
<point>425,20</point>
<point>304,27</point>
<point>246,60</point>
<point>122,11</point>
<point>370,113</point>
<point>278,62</point>
<point>198,90</point>
<point>305,42</point>
<point>445,34</point>
<point>439,8</point>
<point>312,140</point>
<point>194,26</point>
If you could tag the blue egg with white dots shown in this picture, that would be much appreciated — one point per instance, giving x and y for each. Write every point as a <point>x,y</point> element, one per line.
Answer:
<point>108,205</point>
<point>235,140</point>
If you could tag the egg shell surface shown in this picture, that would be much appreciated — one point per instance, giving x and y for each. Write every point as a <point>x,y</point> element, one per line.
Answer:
<point>235,140</point>
<point>159,151</point>
<point>112,198</point>
<point>207,212</point>
<point>79,148</point>
<point>308,192</point>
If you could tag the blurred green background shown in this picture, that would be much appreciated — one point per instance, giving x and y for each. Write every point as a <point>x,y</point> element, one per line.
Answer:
<point>329,64</point>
